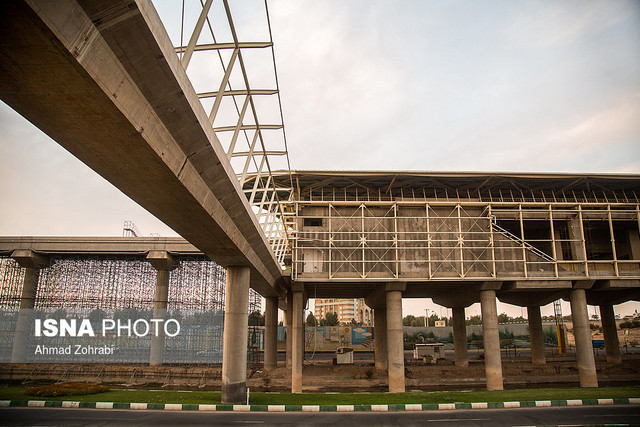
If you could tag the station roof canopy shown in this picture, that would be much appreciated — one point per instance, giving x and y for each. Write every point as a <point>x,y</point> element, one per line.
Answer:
<point>483,185</point>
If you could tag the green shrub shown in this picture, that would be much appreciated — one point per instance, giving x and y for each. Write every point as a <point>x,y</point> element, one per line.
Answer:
<point>69,389</point>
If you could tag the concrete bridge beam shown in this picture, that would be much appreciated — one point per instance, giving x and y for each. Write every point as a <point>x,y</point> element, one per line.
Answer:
<point>234,346</point>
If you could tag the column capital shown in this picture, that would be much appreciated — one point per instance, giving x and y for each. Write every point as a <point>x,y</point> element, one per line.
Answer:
<point>29,259</point>
<point>162,260</point>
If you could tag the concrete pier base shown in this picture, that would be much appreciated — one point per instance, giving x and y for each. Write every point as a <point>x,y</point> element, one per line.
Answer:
<point>610,331</point>
<point>582,333</point>
<point>460,337</point>
<point>271,333</point>
<point>395,342</point>
<point>234,350</point>
<point>297,346</point>
<point>536,337</point>
<point>491,339</point>
<point>380,338</point>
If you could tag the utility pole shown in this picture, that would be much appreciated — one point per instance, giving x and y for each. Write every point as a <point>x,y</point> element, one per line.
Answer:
<point>426,318</point>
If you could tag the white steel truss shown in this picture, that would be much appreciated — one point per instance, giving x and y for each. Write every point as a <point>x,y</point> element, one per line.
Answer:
<point>225,72</point>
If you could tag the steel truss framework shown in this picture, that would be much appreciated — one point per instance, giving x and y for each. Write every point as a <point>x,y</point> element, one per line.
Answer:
<point>79,286</point>
<point>253,138</point>
<point>425,226</point>
<point>443,241</point>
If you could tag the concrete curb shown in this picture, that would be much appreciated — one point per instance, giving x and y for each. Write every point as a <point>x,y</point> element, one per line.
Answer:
<point>315,408</point>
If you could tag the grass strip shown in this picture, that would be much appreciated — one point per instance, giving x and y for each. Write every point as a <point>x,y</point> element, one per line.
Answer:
<point>17,393</point>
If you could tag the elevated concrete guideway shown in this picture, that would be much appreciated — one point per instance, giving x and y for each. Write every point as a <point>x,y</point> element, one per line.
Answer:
<point>103,80</point>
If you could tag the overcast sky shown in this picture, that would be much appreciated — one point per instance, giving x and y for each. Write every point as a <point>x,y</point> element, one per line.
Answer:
<point>423,85</point>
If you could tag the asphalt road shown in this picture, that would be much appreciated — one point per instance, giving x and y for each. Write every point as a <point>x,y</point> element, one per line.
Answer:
<point>595,415</point>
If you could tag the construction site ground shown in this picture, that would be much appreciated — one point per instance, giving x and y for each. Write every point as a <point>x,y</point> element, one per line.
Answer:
<point>325,376</point>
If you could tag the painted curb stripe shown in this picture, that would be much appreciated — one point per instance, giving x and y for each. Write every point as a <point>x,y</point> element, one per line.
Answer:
<point>69,404</point>
<point>139,406</point>
<point>315,408</point>
<point>104,405</point>
<point>206,407</point>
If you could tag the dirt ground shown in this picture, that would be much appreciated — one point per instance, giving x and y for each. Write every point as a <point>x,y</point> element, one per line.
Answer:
<point>559,371</point>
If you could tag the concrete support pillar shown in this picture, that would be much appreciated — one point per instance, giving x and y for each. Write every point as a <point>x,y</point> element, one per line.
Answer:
<point>32,263</point>
<point>271,333</point>
<point>582,333</point>
<point>23,325</point>
<point>234,347</point>
<point>159,312</point>
<point>395,342</point>
<point>611,343</point>
<point>380,338</point>
<point>491,340</point>
<point>297,346</point>
<point>536,337</point>
<point>460,337</point>
<point>163,262</point>
<point>288,321</point>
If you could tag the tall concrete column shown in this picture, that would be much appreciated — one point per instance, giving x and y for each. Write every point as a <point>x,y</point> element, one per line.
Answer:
<point>163,262</point>
<point>582,334</point>
<point>395,342</point>
<point>460,337</point>
<point>297,346</point>
<point>288,320</point>
<point>380,338</point>
<point>271,333</point>
<point>536,337</point>
<point>611,343</point>
<point>234,347</point>
<point>491,340</point>
<point>32,263</point>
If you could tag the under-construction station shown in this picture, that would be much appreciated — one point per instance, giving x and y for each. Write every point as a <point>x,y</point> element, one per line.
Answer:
<point>249,222</point>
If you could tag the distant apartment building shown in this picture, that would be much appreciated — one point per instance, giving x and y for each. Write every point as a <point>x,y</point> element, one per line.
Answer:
<point>347,309</point>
